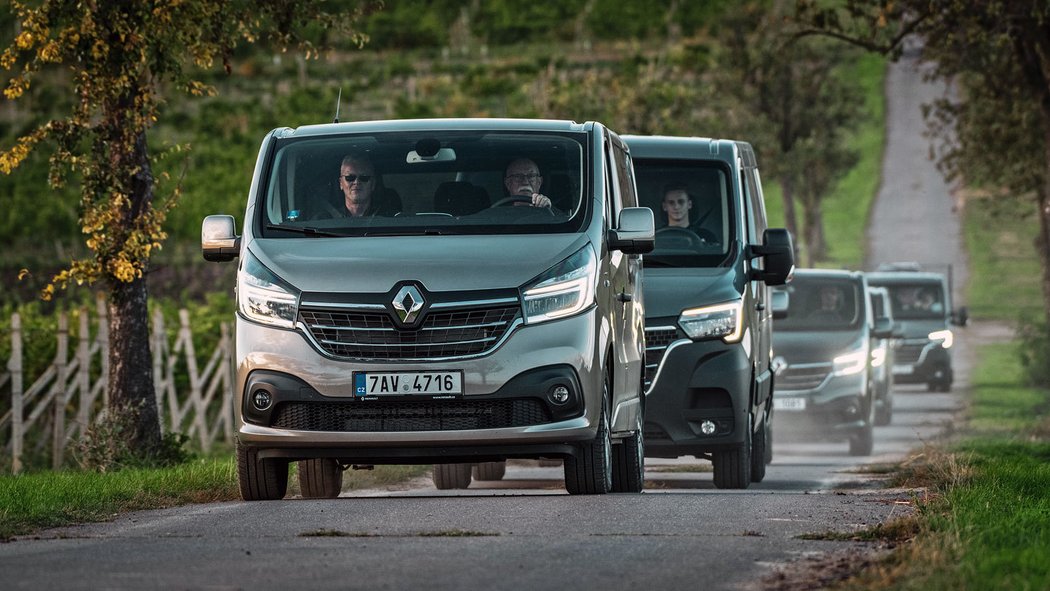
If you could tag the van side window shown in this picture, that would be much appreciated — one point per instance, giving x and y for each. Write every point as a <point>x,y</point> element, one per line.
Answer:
<point>625,177</point>
<point>749,208</point>
<point>614,185</point>
<point>758,204</point>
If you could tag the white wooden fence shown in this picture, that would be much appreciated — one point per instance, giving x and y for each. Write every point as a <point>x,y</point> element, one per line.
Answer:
<point>71,392</point>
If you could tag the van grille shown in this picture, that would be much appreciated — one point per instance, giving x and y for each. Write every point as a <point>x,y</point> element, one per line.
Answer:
<point>394,416</point>
<point>656,342</point>
<point>909,353</point>
<point>803,377</point>
<point>442,334</point>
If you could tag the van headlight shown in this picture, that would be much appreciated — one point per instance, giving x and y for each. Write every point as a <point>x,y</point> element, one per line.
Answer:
<point>563,290</point>
<point>944,337</point>
<point>709,322</point>
<point>851,363</point>
<point>265,297</point>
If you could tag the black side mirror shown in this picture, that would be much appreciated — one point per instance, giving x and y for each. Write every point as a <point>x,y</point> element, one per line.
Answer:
<point>960,316</point>
<point>219,240</point>
<point>781,302</point>
<point>883,328</point>
<point>778,254</point>
<point>637,231</point>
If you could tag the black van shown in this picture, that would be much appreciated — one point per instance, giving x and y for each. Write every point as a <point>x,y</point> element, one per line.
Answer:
<point>708,378</point>
<point>922,308</point>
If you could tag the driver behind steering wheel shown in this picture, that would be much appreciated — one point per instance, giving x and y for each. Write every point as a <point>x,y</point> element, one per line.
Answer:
<point>522,178</point>
<point>678,204</point>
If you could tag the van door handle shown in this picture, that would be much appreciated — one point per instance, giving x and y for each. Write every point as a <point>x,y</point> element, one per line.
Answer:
<point>625,297</point>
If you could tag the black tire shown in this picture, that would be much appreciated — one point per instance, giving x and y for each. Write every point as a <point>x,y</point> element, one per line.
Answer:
<point>733,467</point>
<point>320,478</point>
<point>260,479</point>
<point>629,462</point>
<point>862,443</point>
<point>589,471</point>
<point>451,476</point>
<point>769,439</point>
<point>884,413</point>
<point>489,471</point>
<point>758,453</point>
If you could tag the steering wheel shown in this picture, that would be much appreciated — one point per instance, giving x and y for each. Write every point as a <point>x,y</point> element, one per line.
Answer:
<point>679,236</point>
<point>527,199</point>
<point>513,200</point>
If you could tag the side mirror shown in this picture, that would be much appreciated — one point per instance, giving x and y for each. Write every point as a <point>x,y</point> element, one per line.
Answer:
<point>637,231</point>
<point>883,328</point>
<point>960,316</point>
<point>778,254</point>
<point>781,302</point>
<point>898,331</point>
<point>219,240</point>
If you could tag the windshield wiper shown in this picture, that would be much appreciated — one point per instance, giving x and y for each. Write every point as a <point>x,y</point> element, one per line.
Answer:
<point>424,232</point>
<point>312,232</point>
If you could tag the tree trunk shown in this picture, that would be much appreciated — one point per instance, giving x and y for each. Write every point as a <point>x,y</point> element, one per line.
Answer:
<point>787,194</point>
<point>1043,196</point>
<point>817,248</point>
<point>130,362</point>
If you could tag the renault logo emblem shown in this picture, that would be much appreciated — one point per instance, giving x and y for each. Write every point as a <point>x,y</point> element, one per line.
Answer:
<point>408,302</point>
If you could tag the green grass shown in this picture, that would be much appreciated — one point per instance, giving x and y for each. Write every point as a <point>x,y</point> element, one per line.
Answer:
<point>990,530</point>
<point>48,499</point>
<point>1005,270</point>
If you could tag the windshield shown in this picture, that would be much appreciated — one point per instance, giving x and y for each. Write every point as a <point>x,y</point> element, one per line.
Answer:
<point>821,303</point>
<point>917,301</point>
<point>437,182</point>
<point>691,202</point>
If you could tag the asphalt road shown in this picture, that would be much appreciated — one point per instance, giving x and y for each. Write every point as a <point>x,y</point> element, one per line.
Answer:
<point>525,532</point>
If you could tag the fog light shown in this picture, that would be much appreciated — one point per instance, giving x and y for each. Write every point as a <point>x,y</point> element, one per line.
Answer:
<point>707,427</point>
<point>559,395</point>
<point>262,399</point>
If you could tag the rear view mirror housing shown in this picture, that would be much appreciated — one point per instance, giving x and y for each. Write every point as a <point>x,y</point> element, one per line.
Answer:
<point>636,233</point>
<point>960,316</point>
<point>781,302</point>
<point>219,239</point>
<point>883,328</point>
<point>778,253</point>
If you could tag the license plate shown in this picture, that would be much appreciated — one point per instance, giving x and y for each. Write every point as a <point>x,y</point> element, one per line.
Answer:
<point>902,370</point>
<point>410,383</point>
<point>789,403</point>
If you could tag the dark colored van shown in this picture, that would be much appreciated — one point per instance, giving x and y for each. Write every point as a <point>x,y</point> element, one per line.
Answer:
<point>708,378</point>
<point>825,388</point>
<point>922,309</point>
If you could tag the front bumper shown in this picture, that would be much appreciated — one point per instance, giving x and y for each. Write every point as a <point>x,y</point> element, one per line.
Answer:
<point>697,382</point>
<point>835,410</point>
<point>923,362</point>
<point>504,410</point>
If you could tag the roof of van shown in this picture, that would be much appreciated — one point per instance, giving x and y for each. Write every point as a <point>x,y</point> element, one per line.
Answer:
<point>689,148</point>
<point>464,124</point>
<point>828,274</point>
<point>888,277</point>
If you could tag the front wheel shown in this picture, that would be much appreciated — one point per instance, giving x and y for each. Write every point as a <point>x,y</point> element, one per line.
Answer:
<point>733,467</point>
<point>759,442</point>
<point>862,443</point>
<point>589,471</point>
<point>629,462</point>
<point>260,479</point>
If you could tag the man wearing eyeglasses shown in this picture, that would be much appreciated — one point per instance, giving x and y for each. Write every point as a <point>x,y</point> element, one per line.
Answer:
<point>522,179</point>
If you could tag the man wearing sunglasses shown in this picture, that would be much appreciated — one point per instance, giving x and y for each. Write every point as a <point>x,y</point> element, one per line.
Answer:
<point>357,181</point>
<point>522,179</point>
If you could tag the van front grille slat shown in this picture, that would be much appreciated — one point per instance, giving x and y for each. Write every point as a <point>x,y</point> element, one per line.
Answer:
<point>802,378</point>
<point>393,416</point>
<point>442,334</point>
<point>656,342</point>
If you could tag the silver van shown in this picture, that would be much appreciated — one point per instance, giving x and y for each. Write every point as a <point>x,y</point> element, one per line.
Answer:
<point>438,291</point>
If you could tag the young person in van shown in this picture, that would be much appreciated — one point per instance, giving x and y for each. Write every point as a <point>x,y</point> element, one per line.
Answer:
<point>677,204</point>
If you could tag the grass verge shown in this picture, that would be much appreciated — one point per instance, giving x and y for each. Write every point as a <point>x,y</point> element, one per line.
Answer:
<point>984,522</point>
<point>29,502</point>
